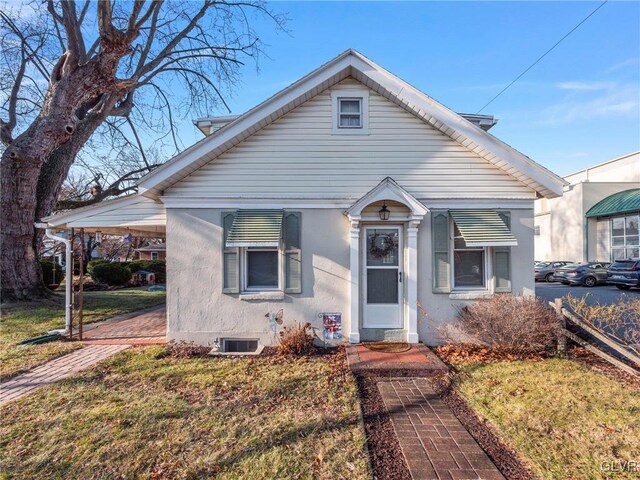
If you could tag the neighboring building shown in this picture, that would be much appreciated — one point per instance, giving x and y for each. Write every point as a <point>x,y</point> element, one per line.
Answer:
<point>152,252</point>
<point>597,217</point>
<point>349,198</point>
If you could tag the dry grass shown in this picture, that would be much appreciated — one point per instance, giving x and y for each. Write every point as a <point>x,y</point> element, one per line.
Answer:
<point>511,323</point>
<point>24,320</point>
<point>138,416</point>
<point>564,418</point>
<point>621,319</point>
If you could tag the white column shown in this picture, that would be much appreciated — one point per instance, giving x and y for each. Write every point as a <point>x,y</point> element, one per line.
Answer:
<point>412,281</point>
<point>354,279</point>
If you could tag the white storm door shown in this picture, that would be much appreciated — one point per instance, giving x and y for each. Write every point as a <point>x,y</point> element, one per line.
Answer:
<point>382,282</point>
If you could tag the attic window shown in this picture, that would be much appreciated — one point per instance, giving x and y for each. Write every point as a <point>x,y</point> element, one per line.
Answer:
<point>349,112</point>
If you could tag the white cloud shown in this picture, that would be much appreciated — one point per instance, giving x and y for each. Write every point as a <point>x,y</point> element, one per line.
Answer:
<point>586,86</point>
<point>631,62</point>
<point>617,101</point>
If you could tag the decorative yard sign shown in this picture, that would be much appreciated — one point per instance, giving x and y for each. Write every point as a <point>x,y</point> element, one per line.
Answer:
<point>332,327</point>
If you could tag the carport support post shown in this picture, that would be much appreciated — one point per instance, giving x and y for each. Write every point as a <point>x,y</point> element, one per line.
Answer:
<point>70,273</point>
<point>81,285</point>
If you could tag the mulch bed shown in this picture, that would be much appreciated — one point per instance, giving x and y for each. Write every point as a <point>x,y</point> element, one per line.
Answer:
<point>385,453</point>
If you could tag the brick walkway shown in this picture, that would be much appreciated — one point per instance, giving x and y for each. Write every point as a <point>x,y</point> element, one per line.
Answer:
<point>56,370</point>
<point>147,328</point>
<point>434,443</point>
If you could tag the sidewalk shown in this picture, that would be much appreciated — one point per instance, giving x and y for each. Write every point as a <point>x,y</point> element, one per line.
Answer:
<point>55,370</point>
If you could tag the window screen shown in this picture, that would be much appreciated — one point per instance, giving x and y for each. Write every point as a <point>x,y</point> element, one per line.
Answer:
<point>262,268</point>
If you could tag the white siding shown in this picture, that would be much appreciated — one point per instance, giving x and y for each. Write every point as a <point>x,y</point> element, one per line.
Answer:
<point>298,155</point>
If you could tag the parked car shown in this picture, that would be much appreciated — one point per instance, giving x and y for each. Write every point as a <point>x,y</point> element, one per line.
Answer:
<point>625,274</point>
<point>544,270</point>
<point>587,274</point>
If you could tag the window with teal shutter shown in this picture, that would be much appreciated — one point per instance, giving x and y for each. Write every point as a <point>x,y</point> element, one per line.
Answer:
<point>440,241</point>
<point>230,258</point>
<point>502,261</point>
<point>292,253</point>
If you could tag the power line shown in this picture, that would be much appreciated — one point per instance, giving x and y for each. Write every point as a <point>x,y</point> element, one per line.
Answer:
<point>543,55</point>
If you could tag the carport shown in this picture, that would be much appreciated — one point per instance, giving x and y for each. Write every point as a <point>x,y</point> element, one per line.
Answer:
<point>134,214</point>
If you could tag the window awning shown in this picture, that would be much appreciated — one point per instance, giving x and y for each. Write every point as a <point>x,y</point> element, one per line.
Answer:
<point>483,228</point>
<point>256,228</point>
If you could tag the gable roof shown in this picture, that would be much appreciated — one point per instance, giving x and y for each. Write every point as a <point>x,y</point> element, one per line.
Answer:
<point>353,64</point>
<point>387,189</point>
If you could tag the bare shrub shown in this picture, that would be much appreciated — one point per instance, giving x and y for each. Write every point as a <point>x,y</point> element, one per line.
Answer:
<point>296,340</point>
<point>620,320</point>
<point>512,323</point>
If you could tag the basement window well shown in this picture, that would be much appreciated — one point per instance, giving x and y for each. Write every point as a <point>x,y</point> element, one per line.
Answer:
<point>236,346</point>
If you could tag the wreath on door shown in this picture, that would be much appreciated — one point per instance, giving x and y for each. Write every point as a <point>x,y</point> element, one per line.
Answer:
<point>381,245</point>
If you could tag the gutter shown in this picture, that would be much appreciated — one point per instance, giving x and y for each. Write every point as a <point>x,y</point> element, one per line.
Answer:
<point>68,273</point>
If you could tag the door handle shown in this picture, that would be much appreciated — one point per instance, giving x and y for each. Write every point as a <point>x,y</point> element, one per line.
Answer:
<point>399,276</point>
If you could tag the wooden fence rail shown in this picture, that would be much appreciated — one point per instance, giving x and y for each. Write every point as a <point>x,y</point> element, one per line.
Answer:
<point>568,316</point>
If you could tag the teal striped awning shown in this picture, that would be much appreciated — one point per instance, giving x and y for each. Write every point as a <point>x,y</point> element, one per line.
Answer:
<point>622,202</point>
<point>483,228</point>
<point>256,228</point>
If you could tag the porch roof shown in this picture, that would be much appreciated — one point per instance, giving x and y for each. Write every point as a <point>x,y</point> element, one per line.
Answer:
<point>133,214</point>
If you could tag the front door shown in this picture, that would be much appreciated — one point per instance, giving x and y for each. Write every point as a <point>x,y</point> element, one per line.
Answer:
<point>382,277</point>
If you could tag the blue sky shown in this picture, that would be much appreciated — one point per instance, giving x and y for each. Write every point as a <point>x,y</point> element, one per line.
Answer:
<point>578,107</point>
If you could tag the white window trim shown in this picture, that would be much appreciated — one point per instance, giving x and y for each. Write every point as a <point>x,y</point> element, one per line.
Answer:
<point>156,254</point>
<point>351,93</point>
<point>245,274</point>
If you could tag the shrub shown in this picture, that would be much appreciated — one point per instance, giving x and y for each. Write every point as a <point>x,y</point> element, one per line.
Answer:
<point>296,340</point>
<point>511,323</point>
<point>111,274</point>
<point>620,319</point>
<point>51,274</point>
<point>93,263</point>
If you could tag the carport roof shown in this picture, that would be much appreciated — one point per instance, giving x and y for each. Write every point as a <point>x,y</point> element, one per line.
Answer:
<point>621,202</point>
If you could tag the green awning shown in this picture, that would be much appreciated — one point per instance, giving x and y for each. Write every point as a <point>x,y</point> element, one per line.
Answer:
<point>483,228</point>
<point>256,228</point>
<point>621,202</point>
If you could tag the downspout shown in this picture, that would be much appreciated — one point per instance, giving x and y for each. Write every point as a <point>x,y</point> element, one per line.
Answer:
<point>68,273</point>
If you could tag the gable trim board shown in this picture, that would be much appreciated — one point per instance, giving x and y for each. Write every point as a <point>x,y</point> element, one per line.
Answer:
<point>353,64</point>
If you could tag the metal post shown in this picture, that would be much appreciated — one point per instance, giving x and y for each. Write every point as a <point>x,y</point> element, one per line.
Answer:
<point>81,286</point>
<point>70,273</point>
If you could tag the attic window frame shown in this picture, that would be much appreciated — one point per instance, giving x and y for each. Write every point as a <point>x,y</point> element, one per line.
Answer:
<point>360,94</point>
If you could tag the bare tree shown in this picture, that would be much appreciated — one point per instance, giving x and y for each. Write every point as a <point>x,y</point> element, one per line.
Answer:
<point>70,69</point>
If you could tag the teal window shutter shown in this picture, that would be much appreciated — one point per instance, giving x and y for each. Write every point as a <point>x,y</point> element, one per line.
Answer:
<point>502,261</point>
<point>441,263</point>
<point>230,258</point>
<point>292,253</point>
<point>502,268</point>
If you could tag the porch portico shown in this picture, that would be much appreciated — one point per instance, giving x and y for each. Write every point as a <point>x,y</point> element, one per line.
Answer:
<point>370,278</point>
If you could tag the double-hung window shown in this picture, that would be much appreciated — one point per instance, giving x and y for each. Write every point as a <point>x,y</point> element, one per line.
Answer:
<point>349,112</point>
<point>262,269</point>
<point>469,263</point>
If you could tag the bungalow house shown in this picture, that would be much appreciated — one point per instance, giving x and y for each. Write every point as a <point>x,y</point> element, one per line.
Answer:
<point>349,197</point>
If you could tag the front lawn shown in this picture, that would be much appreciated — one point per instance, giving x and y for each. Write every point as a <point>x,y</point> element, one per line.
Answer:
<point>567,421</point>
<point>24,320</point>
<point>137,416</point>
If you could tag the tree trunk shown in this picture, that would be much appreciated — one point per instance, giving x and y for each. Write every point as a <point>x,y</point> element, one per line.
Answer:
<point>33,169</point>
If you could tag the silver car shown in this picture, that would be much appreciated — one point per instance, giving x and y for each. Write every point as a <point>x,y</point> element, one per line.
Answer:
<point>545,270</point>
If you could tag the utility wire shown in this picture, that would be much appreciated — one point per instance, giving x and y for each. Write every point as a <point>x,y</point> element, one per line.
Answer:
<point>543,55</point>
